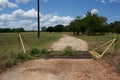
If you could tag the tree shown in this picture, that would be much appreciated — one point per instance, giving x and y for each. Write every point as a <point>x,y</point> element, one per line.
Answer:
<point>117,26</point>
<point>76,26</point>
<point>59,28</point>
<point>3,30</point>
<point>73,27</point>
<point>18,30</point>
<point>91,23</point>
<point>50,29</point>
<point>67,29</point>
<point>44,29</point>
<point>82,26</point>
<point>95,23</point>
<point>111,27</point>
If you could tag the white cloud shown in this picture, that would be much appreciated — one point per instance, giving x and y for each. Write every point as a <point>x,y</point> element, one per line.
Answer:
<point>45,1</point>
<point>26,24</point>
<point>28,19</point>
<point>19,18</point>
<point>103,1</point>
<point>94,11</point>
<point>52,20</point>
<point>22,1</point>
<point>6,3</point>
<point>19,15</point>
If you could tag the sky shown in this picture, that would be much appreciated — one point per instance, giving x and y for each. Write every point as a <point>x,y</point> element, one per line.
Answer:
<point>23,13</point>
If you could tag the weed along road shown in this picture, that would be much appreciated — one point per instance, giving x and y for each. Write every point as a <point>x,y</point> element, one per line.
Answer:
<point>62,69</point>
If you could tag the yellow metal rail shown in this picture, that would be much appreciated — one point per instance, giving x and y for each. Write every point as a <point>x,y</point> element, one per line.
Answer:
<point>111,43</point>
<point>21,43</point>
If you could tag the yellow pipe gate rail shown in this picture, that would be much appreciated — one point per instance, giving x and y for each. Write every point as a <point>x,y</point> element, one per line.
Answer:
<point>111,43</point>
<point>21,43</point>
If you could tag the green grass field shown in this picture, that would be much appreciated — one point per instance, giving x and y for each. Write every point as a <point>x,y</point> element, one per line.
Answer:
<point>10,41</point>
<point>95,41</point>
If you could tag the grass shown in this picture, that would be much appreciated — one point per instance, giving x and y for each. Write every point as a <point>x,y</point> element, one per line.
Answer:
<point>95,41</point>
<point>9,59</point>
<point>10,41</point>
<point>10,54</point>
<point>68,51</point>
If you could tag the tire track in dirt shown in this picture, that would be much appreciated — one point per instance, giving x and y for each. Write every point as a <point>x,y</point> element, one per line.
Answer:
<point>75,43</point>
<point>61,69</point>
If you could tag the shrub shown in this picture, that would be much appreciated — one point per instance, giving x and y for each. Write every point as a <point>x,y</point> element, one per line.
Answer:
<point>43,51</point>
<point>38,52</point>
<point>34,51</point>
<point>68,51</point>
<point>23,57</point>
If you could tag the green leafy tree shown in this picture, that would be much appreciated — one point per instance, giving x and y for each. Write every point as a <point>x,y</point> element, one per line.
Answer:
<point>117,26</point>
<point>95,23</point>
<point>72,27</point>
<point>59,28</point>
<point>44,29</point>
<point>50,29</point>
<point>77,26</point>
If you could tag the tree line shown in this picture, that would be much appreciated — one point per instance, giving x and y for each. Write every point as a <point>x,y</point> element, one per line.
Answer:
<point>5,30</point>
<point>91,24</point>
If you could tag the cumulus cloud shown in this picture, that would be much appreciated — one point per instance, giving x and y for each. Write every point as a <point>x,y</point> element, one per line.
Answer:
<point>26,24</point>
<point>19,18</point>
<point>6,3</point>
<point>52,20</point>
<point>19,15</point>
<point>103,1</point>
<point>28,19</point>
<point>94,11</point>
<point>22,1</point>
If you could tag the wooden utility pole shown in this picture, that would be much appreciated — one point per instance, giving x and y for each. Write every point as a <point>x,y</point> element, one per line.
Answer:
<point>38,19</point>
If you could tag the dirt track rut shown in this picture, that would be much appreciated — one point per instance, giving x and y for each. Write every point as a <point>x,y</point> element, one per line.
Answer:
<point>75,43</point>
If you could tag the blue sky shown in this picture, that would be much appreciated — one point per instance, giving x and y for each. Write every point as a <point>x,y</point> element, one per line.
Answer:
<point>23,13</point>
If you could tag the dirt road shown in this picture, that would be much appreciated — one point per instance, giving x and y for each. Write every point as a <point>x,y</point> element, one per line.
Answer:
<point>75,43</point>
<point>62,69</point>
